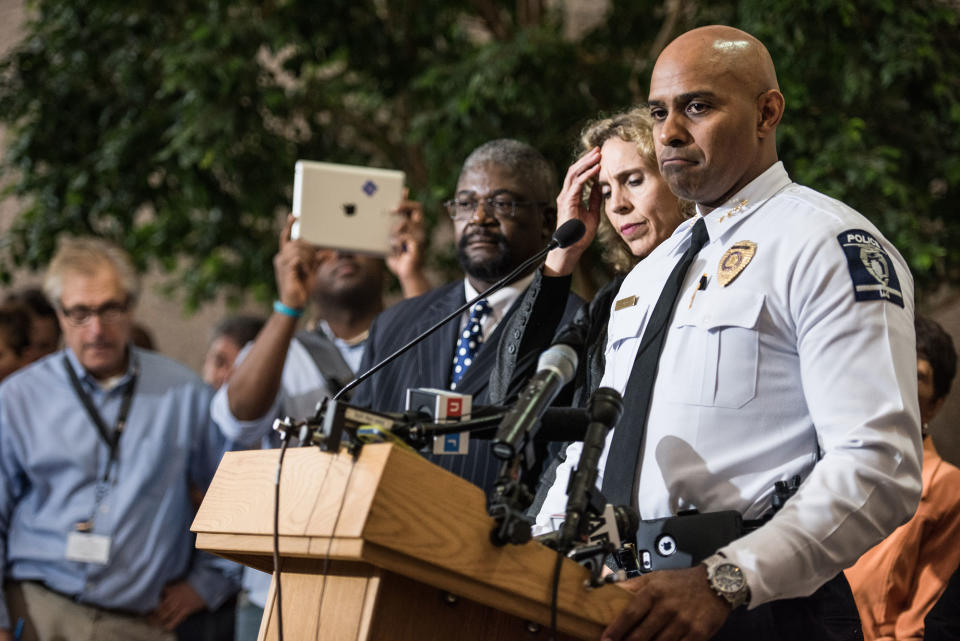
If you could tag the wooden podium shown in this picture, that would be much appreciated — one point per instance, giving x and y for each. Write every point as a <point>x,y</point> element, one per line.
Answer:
<point>388,547</point>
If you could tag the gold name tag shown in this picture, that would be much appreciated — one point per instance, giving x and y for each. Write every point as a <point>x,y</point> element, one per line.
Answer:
<point>624,303</point>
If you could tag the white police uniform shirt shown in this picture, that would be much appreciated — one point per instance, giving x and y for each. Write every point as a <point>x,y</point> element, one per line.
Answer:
<point>810,348</point>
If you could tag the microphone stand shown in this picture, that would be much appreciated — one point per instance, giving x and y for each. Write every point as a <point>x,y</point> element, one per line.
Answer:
<point>331,414</point>
<point>566,235</point>
<point>507,504</point>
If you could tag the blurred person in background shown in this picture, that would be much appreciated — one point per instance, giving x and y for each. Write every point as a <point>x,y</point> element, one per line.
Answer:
<point>99,444</point>
<point>227,339</point>
<point>44,327</point>
<point>897,582</point>
<point>14,338</point>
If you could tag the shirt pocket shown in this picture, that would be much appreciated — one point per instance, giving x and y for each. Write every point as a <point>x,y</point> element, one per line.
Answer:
<point>623,337</point>
<point>716,343</point>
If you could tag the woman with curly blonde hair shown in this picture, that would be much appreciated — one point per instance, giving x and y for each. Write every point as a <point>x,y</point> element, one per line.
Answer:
<point>616,189</point>
<point>634,126</point>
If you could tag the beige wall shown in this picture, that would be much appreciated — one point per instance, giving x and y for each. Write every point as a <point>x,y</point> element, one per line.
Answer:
<point>184,338</point>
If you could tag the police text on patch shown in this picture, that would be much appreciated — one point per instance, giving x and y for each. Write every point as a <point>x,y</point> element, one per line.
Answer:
<point>871,270</point>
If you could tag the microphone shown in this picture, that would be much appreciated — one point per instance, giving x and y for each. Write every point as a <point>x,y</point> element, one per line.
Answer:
<point>556,368</point>
<point>567,234</point>
<point>618,524</point>
<point>563,424</point>
<point>605,407</point>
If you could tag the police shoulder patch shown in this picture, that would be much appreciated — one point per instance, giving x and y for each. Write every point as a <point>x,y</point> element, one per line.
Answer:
<point>872,271</point>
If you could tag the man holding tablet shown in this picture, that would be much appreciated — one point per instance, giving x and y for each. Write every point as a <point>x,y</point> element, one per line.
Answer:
<point>284,372</point>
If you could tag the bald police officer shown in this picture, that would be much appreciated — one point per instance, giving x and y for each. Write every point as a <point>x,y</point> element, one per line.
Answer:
<point>789,351</point>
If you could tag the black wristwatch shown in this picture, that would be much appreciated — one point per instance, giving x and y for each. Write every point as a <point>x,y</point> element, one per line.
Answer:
<point>727,580</point>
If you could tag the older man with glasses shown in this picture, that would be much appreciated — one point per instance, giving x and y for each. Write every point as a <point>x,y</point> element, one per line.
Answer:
<point>502,214</point>
<point>99,444</point>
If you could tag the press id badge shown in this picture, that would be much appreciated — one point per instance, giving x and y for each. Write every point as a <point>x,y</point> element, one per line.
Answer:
<point>88,548</point>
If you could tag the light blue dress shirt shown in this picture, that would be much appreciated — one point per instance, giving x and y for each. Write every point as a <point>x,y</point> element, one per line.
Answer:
<point>52,465</point>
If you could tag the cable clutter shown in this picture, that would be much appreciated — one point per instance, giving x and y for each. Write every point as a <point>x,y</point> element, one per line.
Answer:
<point>592,530</point>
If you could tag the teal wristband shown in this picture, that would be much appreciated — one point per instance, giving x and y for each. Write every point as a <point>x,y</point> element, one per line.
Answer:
<point>280,308</point>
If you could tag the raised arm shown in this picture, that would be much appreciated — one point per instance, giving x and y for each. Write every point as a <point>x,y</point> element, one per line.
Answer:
<point>408,242</point>
<point>580,176</point>
<point>255,381</point>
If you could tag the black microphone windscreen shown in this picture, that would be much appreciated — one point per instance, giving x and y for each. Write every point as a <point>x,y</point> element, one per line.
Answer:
<point>628,522</point>
<point>569,233</point>
<point>606,406</point>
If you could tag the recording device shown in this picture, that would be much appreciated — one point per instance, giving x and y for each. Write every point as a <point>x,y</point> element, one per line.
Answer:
<point>684,540</point>
<point>592,529</point>
<point>607,532</point>
<point>443,406</point>
<point>416,427</point>
<point>617,523</point>
<point>556,368</point>
<point>511,495</point>
<point>344,206</point>
<point>605,408</point>
<point>567,234</point>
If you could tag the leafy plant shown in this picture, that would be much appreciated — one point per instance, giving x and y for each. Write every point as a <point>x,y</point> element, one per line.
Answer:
<point>173,127</point>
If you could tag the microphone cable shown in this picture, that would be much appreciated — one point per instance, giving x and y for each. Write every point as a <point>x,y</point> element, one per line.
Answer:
<point>276,536</point>
<point>276,532</point>
<point>333,532</point>
<point>567,234</point>
<point>554,595</point>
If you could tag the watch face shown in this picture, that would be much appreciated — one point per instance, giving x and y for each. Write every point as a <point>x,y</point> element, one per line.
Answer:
<point>728,578</point>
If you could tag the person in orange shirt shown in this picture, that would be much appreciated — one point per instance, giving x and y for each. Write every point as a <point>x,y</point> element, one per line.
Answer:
<point>897,582</point>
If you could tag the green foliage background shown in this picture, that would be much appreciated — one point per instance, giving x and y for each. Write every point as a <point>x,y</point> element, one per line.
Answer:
<point>173,127</point>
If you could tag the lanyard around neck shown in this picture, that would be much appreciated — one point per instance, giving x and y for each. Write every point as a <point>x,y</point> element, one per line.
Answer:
<point>110,437</point>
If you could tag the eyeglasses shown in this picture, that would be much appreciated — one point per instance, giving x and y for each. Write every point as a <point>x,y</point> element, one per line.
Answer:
<point>110,312</point>
<point>502,207</point>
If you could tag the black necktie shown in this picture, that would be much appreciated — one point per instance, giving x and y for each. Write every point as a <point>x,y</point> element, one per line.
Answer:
<point>620,472</point>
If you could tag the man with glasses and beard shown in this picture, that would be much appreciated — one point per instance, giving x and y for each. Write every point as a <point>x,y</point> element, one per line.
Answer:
<point>503,213</point>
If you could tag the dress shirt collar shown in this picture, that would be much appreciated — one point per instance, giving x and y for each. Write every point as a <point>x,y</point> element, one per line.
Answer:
<point>501,300</point>
<point>744,203</point>
<point>722,220</point>
<point>342,343</point>
<point>92,383</point>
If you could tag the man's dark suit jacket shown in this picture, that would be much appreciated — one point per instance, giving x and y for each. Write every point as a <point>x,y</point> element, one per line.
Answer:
<point>429,364</point>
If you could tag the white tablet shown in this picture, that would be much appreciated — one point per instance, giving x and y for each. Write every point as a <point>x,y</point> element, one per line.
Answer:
<point>344,206</point>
